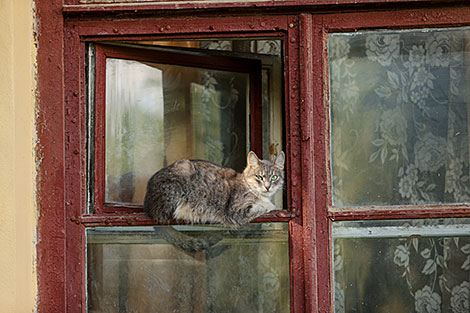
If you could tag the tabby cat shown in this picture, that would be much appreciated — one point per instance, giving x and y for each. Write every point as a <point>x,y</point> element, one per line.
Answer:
<point>196,191</point>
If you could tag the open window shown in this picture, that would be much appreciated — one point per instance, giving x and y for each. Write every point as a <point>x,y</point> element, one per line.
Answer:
<point>151,103</point>
<point>155,106</point>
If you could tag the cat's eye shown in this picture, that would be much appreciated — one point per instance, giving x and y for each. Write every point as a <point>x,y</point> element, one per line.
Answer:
<point>274,178</point>
<point>259,177</point>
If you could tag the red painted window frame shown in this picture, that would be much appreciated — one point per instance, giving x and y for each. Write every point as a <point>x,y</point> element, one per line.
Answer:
<point>393,20</point>
<point>61,181</point>
<point>73,6</point>
<point>251,67</point>
<point>78,33</point>
<point>324,216</point>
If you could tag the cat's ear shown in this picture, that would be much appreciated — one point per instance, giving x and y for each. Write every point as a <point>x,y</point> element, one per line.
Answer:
<point>280,159</point>
<point>252,159</point>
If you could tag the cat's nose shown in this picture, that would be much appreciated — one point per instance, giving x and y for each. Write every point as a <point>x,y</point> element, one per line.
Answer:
<point>268,187</point>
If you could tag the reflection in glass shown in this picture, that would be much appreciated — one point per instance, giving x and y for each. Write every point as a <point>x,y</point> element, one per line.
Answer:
<point>131,269</point>
<point>402,266</point>
<point>157,114</point>
<point>399,117</point>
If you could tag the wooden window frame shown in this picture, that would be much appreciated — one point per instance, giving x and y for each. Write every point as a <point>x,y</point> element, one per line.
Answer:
<point>409,20</point>
<point>78,34</point>
<point>324,215</point>
<point>61,126</point>
<point>251,67</point>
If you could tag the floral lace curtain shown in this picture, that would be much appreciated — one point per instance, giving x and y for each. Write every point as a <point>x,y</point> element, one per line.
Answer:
<point>228,147</point>
<point>400,105</point>
<point>399,108</point>
<point>423,274</point>
<point>218,111</point>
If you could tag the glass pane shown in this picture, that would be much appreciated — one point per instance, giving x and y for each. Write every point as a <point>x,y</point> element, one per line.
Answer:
<point>132,269</point>
<point>157,114</point>
<point>399,105</point>
<point>402,266</point>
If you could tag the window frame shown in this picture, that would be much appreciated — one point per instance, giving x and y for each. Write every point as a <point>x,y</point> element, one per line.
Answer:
<point>409,20</point>
<point>252,67</point>
<point>78,34</point>
<point>61,123</point>
<point>325,216</point>
<point>132,215</point>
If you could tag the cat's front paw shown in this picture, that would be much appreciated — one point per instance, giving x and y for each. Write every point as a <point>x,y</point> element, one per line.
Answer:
<point>262,207</point>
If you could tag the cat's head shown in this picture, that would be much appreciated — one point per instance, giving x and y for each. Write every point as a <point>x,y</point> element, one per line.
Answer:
<point>263,176</point>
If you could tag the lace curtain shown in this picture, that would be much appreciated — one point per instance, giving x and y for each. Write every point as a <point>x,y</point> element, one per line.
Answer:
<point>400,104</point>
<point>400,273</point>
<point>222,95</point>
<point>400,117</point>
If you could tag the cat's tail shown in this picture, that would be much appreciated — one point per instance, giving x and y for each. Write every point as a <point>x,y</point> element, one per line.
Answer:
<point>185,242</point>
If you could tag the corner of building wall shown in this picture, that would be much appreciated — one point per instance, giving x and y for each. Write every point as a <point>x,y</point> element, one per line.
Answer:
<point>35,141</point>
<point>35,146</point>
<point>25,140</point>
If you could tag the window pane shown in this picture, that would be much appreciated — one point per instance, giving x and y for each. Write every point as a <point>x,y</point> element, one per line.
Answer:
<point>157,114</point>
<point>132,269</point>
<point>399,116</point>
<point>402,266</point>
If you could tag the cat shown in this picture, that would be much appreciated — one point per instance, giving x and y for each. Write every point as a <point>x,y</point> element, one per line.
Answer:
<point>199,192</point>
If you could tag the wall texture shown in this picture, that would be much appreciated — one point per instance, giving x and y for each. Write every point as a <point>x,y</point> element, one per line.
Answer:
<point>17,164</point>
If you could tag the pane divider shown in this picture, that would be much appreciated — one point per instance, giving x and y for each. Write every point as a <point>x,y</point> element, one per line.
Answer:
<point>402,231</point>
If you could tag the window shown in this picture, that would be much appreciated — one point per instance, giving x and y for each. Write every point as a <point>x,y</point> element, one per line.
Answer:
<point>399,117</point>
<point>399,114</point>
<point>370,104</point>
<point>150,104</point>
<point>404,265</point>
<point>171,79</point>
<point>162,106</point>
<point>132,269</point>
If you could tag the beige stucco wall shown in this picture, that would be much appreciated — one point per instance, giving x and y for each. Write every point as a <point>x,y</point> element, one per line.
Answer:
<point>17,166</point>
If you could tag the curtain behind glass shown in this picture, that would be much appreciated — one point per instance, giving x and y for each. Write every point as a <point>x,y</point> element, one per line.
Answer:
<point>399,117</point>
